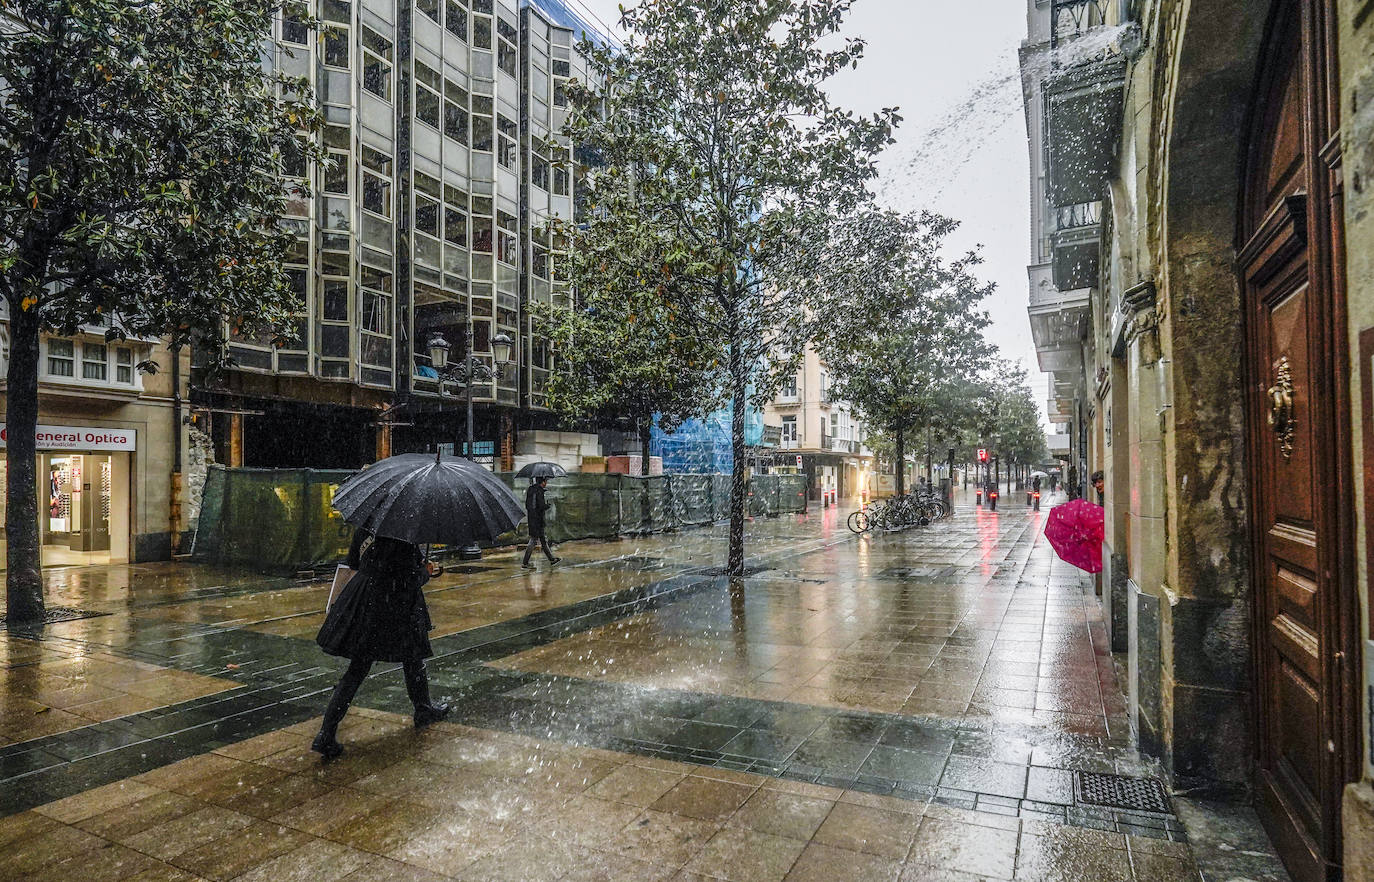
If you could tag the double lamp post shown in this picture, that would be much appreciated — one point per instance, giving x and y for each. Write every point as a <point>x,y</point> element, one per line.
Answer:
<point>469,372</point>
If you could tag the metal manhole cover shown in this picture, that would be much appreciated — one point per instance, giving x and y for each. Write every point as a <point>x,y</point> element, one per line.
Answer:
<point>1121,792</point>
<point>59,614</point>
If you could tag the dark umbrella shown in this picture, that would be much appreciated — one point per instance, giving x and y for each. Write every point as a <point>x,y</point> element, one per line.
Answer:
<point>424,499</point>
<point>536,470</point>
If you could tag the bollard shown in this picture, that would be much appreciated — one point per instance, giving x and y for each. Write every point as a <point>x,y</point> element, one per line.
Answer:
<point>992,500</point>
<point>1028,498</point>
<point>978,497</point>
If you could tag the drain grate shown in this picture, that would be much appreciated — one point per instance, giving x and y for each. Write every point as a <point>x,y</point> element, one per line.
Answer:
<point>1121,792</point>
<point>57,614</point>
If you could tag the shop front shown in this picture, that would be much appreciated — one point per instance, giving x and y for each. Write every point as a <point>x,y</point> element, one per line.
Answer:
<point>84,496</point>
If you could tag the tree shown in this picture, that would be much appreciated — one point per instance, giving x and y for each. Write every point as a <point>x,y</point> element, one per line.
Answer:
<point>141,143</point>
<point>622,355</point>
<point>719,151</point>
<point>900,328</point>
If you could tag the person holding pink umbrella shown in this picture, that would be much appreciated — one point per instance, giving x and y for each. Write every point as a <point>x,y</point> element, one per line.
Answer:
<point>1075,530</point>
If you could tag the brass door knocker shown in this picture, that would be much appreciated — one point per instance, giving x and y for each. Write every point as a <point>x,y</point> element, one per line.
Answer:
<point>1281,415</point>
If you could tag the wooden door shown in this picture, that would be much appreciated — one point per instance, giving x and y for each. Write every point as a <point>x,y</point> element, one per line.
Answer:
<point>1298,473</point>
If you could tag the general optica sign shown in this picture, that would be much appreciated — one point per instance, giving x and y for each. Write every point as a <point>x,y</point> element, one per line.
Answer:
<point>77,438</point>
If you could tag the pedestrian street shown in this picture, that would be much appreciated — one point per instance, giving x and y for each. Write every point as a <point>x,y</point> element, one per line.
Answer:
<point>936,703</point>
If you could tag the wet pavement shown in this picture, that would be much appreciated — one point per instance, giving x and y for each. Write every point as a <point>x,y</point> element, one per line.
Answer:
<point>932,704</point>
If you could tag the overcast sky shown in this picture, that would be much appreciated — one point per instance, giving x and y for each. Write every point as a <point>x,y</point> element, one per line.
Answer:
<point>961,148</point>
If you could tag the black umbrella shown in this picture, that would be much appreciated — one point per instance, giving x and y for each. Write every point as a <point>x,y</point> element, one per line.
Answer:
<point>536,470</point>
<point>423,499</point>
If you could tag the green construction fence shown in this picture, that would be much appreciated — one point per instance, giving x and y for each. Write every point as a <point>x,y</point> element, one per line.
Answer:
<point>282,520</point>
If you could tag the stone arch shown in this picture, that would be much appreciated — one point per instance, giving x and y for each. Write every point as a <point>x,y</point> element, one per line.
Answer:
<point>1205,77</point>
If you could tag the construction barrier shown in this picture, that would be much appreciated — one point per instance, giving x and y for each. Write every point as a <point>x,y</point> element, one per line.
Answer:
<point>283,520</point>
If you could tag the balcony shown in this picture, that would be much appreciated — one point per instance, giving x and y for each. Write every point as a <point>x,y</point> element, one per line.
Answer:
<point>1083,93</point>
<point>1058,318</point>
<point>1076,245</point>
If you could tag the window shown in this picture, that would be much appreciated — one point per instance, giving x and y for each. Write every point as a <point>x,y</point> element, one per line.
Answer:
<point>426,215</point>
<point>427,101</point>
<point>455,226</point>
<point>561,68</point>
<point>481,234</point>
<point>506,146</point>
<point>429,8</point>
<point>377,161</point>
<point>336,46</point>
<point>334,301</point>
<point>789,431</point>
<point>61,358</point>
<point>376,65</point>
<point>505,56</point>
<point>481,123</point>
<point>376,195</point>
<point>334,176</point>
<point>337,10</point>
<point>481,33</point>
<point>560,181</point>
<point>94,361</point>
<point>124,365</point>
<point>455,112</point>
<point>507,248</point>
<point>293,30</point>
<point>425,184</point>
<point>426,106</point>
<point>456,19</point>
<point>789,387</point>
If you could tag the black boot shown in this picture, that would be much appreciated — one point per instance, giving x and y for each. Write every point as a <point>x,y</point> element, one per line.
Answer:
<point>325,743</point>
<point>417,687</point>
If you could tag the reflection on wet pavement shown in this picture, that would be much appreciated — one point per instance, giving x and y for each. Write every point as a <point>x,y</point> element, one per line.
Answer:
<point>912,705</point>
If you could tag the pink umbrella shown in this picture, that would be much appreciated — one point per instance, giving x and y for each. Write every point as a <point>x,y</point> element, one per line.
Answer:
<point>1075,530</point>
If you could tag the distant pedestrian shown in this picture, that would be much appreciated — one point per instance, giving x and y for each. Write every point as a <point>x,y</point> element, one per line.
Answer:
<point>380,615</point>
<point>535,508</point>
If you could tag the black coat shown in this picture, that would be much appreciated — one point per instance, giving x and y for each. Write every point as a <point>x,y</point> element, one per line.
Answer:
<point>535,506</point>
<point>380,615</point>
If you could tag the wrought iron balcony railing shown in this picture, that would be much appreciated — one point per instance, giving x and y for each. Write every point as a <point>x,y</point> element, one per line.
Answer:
<point>1074,18</point>
<point>1073,217</point>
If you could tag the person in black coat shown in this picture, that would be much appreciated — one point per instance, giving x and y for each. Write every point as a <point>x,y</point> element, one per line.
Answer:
<point>535,507</point>
<point>380,615</point>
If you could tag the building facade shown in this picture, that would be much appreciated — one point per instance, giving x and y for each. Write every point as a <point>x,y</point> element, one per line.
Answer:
<point>442,120</point>
<point>820,438</point>
<point>1202,291</point>
<point>112,436</point>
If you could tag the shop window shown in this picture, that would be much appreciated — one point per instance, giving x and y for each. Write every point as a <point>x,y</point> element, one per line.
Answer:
<point>61,358</point>
<point>94,362</point>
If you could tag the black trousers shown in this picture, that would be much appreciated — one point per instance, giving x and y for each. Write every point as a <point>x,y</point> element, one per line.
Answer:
<point>417,688</point>
<point>543,542</point>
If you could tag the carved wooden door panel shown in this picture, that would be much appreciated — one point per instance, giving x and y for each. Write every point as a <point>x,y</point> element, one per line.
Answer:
<point>1293,372</point>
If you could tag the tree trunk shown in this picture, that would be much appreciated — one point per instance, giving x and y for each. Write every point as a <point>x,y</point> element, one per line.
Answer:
<point>901,461</point>
<point>24,579</point>
<point>739,383</point>
<point>646,425</point>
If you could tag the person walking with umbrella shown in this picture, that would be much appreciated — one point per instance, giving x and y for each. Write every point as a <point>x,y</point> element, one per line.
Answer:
<point>535,507</point>
<point>380,615</point>
<point>397,505</point>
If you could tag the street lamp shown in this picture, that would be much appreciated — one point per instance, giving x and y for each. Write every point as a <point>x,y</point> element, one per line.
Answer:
<point>472,370</point>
